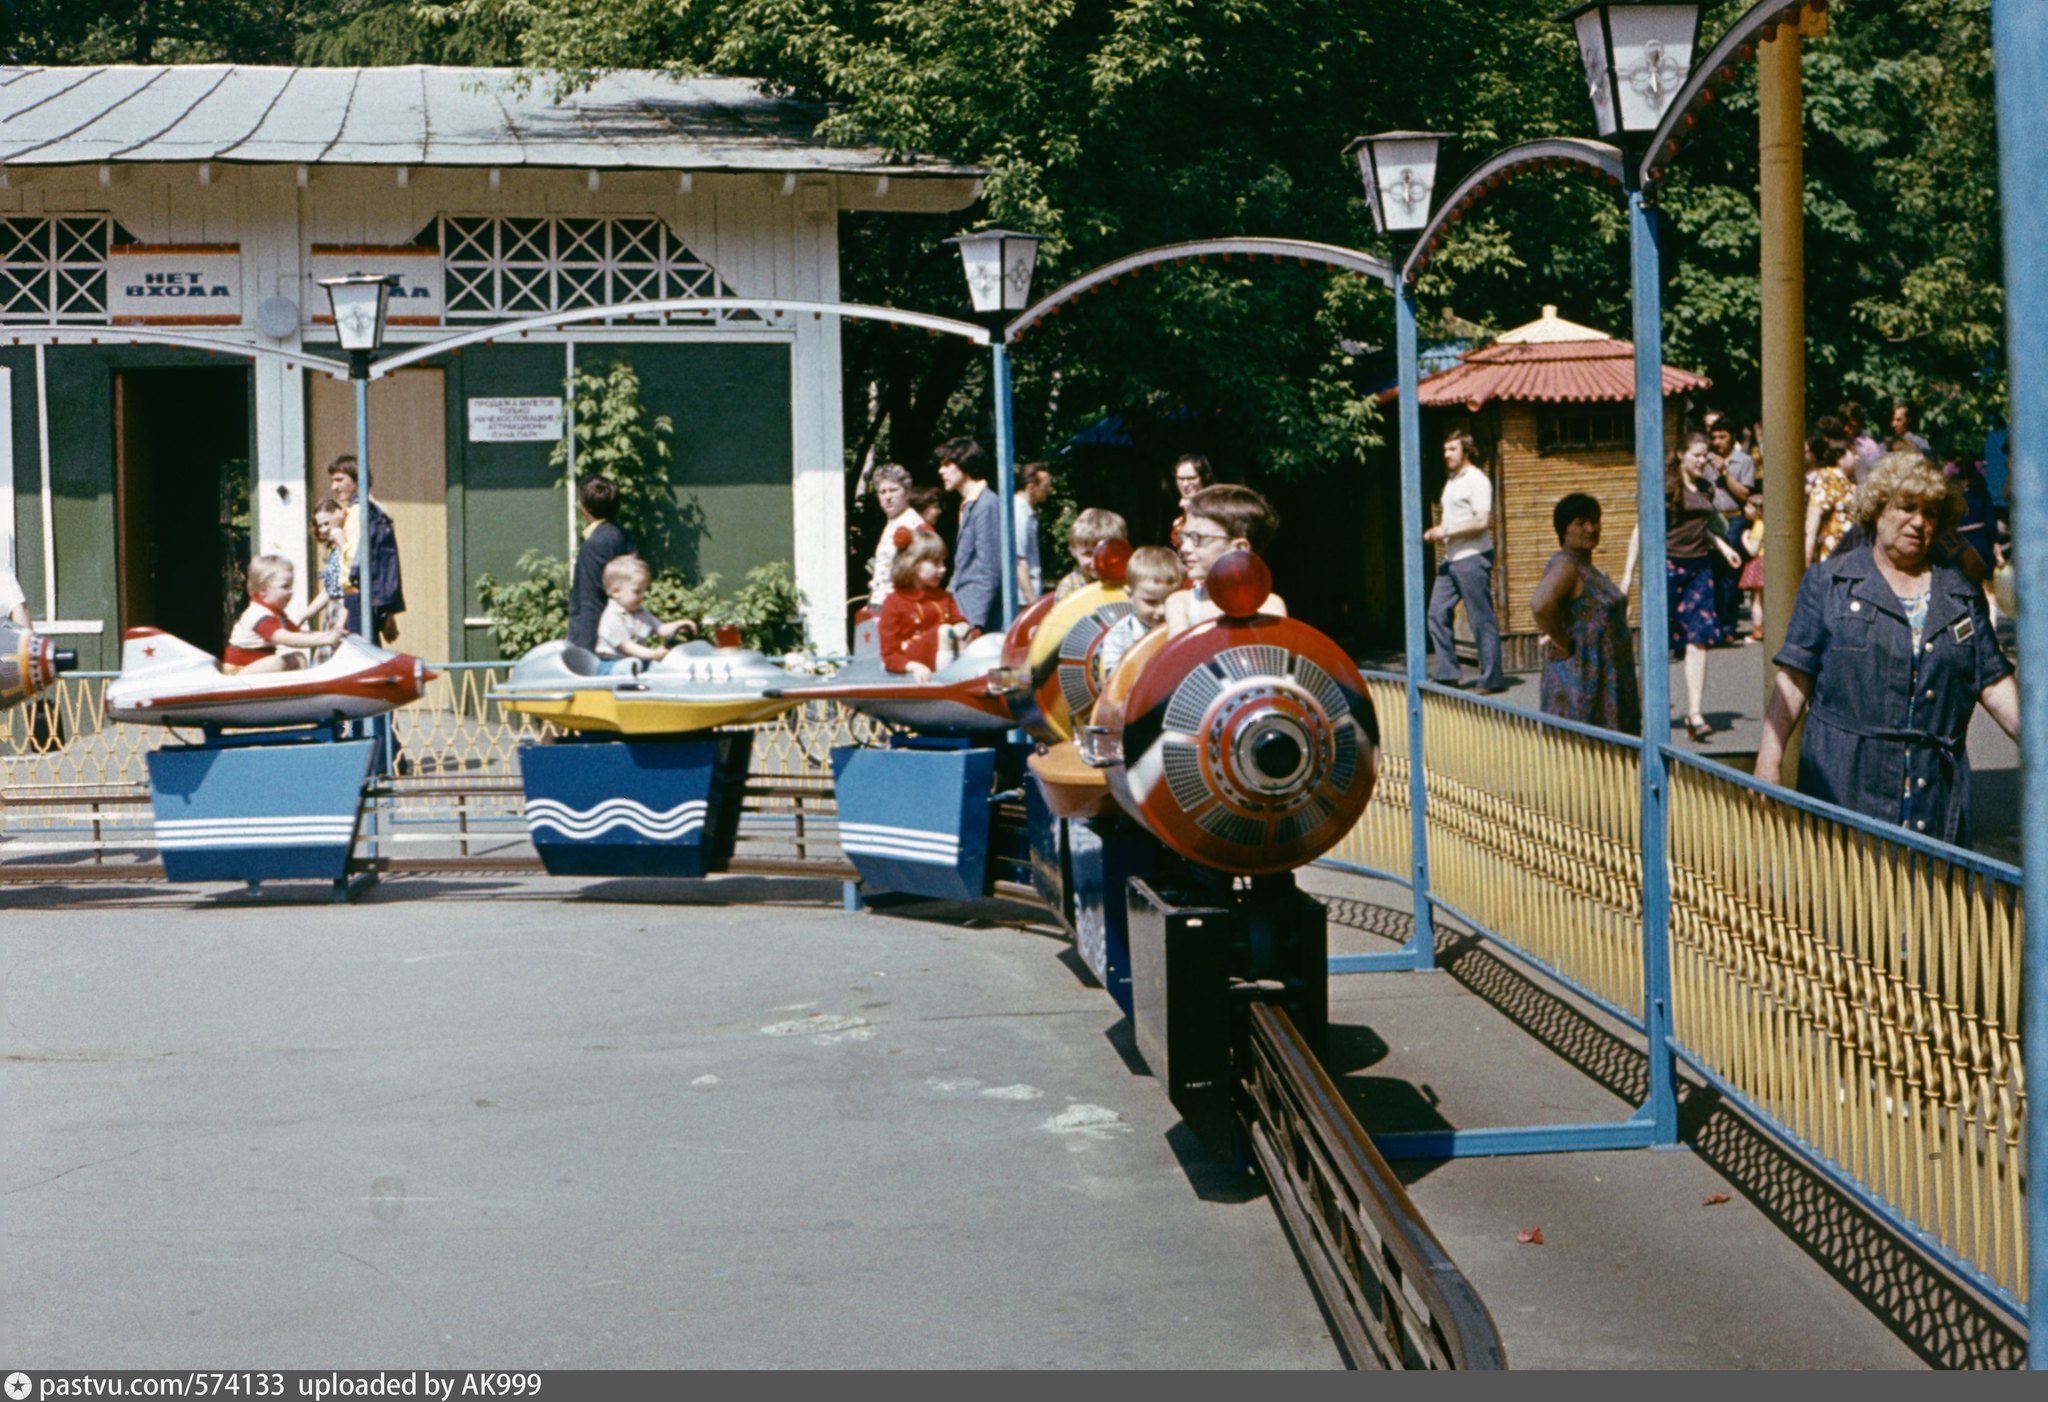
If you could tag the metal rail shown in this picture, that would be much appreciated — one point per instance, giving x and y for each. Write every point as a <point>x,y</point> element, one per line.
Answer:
<point>1397,1298</point>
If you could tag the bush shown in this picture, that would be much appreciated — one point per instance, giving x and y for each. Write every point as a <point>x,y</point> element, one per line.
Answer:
<point>768,609</point>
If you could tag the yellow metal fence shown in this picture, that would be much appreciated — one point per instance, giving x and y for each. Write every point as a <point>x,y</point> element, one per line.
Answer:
<point>63,766</point>
<point>1859,989</point>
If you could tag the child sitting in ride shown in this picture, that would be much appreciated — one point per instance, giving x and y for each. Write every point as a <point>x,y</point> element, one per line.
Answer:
<point>921,625</point>
<point>626,631</point>
<point>263,627</point>
<point>1152,577</point>
<point>1091,528</point>
<point>1220,519</point>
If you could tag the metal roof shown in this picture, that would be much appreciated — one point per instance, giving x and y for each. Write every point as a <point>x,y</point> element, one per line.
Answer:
<point>419,116</point>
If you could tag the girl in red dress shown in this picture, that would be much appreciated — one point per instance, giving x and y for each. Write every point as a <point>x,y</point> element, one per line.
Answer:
<point>917,609</point>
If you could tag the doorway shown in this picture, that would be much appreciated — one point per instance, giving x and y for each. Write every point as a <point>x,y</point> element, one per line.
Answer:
<point>182,499</point>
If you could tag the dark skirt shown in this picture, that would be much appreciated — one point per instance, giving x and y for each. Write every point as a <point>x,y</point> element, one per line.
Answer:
<point>1689,595</point>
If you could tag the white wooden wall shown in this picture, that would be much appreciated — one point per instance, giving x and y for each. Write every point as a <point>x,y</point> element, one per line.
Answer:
<point>766,236</point>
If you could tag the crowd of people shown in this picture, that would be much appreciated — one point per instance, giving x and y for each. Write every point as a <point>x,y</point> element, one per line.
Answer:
<point>922,622</point>
<point>1892,640</point>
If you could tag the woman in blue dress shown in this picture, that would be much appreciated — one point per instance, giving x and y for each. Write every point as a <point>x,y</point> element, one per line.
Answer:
<point>1590,673</point>
<point>1887,655</point>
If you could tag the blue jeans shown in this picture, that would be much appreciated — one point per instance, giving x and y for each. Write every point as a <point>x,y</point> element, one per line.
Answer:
<point>1469,579</point>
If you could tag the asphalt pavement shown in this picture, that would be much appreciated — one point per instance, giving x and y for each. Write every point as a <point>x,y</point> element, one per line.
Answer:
<point>549,1124</point>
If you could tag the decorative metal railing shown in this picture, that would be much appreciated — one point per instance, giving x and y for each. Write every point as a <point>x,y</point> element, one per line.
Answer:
<point>1853,987</point>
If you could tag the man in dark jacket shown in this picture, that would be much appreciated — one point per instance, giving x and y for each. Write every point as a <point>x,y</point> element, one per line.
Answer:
<point>604,540</point>
<point>977,552</point>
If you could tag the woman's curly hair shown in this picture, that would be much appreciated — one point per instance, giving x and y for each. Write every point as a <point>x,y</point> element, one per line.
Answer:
<point>1912,477</point>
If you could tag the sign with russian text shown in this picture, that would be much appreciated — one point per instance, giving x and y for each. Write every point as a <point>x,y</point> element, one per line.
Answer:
<point>156,284</point>
<point>537,419</point>
<point>418,300</point>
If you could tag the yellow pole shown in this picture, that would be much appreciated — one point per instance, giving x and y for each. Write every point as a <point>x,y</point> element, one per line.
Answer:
<point>1782,273</point>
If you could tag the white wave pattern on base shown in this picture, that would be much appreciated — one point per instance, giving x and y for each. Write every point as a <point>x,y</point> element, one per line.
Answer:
<point>309,830</point>
<point>902,844</point>
<point>584,824</point>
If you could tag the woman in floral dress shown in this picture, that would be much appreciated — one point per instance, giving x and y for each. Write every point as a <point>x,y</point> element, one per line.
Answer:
<point>1830,489</point>
<point>1590,674</point>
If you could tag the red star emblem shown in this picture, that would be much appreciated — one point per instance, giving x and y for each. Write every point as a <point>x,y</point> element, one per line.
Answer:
<point>149,649</point>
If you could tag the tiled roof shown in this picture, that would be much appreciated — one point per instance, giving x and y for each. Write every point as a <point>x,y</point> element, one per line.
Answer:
<point>1549,372</point>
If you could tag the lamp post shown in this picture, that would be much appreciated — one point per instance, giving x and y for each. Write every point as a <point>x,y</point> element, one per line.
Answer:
<point>2019,38</point>
<point>1637,55</point>
<point>1399,170</point>
<point>999,264</point>
<point>360,303</point>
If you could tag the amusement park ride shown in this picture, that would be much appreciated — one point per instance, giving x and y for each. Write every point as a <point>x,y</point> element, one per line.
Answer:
<point>1167,800</point>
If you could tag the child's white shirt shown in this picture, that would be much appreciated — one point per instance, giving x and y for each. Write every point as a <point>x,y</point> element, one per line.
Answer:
<point>616,626</point>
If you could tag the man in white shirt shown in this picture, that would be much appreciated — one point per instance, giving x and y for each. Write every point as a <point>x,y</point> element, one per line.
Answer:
<point>13,603</point>
<point>1034,485</point>
<point>1464,540</point>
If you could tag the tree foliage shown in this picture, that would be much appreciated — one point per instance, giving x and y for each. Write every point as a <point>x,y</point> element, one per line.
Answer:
<point>1113,125</point>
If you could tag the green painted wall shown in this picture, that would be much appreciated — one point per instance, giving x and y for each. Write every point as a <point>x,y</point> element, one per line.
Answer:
<point>81,418</point>
<point>731,460</point>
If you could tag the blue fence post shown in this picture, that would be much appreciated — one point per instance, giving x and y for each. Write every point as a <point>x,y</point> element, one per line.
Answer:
<point>1006,472</point>
<point>2019,42</point>
<point>1422,943</point>
<point>1662,1106</point>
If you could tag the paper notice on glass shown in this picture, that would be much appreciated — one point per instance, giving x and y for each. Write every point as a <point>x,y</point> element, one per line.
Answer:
<point>532,420</point>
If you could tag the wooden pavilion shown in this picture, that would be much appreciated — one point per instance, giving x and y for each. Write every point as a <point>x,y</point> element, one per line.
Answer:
<point>1551,406</point>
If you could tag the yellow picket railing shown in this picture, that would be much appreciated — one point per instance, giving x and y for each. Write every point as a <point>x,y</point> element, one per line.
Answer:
<point>1858,989</point>
<point>1864,992</point>
<point>62,764</point>
<point>1380,840</point>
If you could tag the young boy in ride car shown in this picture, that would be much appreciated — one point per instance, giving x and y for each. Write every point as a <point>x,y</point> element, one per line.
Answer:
<point>1153,576</point>
<point>1091,529</point>
<point>264,628</point>
<point>626,631</point>
<point>1220,519</point>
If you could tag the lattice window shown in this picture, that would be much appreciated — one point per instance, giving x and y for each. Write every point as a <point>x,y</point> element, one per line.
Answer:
<point>54,268</point>
<point>499,268</point>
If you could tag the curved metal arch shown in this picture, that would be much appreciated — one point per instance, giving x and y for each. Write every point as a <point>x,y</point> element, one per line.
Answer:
<point>1301,250</point>
<point>1717,69</point>
<point>979,335</point>
<point>1595,156</point>
<point>150,336</point>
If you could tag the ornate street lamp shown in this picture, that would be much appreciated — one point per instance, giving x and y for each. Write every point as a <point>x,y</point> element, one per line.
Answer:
<point>1637,58</point>
<point>361,303</point>
<point>999,264</point>
<point>1399,170</point>
<point>1637,55</point>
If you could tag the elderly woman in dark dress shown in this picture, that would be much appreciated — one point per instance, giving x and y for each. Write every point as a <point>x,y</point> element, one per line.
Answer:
<point>1590,675</point>
<point>1888,654</point>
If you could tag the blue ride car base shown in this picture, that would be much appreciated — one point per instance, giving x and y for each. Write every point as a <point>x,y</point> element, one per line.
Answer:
<point>258,808</point>
<point>917,820</point>
<point>667,808</point>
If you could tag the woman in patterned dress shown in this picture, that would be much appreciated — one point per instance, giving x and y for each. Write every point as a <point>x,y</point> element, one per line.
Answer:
<point>1830,490</point>
<point>1590,675</point>
<point>1691,536</point>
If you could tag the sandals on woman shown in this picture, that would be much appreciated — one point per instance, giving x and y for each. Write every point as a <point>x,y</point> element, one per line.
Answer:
<point>1697,727</point>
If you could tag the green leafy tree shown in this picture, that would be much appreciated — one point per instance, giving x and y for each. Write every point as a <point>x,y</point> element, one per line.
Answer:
<point>617,438</point>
